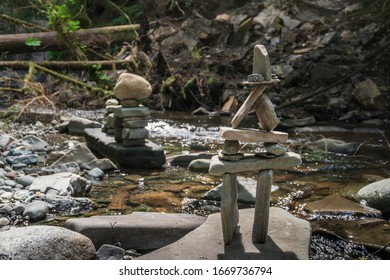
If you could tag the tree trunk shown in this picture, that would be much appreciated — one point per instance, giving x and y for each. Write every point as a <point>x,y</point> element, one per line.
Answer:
<point>15,43</point>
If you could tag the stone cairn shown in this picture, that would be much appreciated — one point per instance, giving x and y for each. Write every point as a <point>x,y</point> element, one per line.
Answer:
<point>230,161</point>
<point>127,122</point>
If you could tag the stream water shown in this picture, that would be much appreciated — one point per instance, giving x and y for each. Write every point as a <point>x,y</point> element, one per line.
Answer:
<point>176,189</point>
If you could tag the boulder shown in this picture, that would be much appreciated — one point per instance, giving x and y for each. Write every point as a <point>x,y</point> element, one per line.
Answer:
<point>376,195</point>
<point>31,143</point>
<point>79,154</point>
<point>65,183</point>
<point>77,125</point>
<point>45,243</point>
<point>132,86</point>
<point>199,165</point>
<point>139,230</point>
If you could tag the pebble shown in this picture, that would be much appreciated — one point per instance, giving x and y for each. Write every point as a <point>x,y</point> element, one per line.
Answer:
<point>10,183</point>
<point>96,173</point>
<point>36,210</point>
<point>25,180</point>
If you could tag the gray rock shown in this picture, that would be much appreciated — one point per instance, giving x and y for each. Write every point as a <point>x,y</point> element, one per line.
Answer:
<point>199,165</point>
<point>96,173</point>
<point>79,154</point>
<point>139,230</point>
<point>246,189</point>
<point>20,195</point>
<point>36,210</point>
<point>288,238</point>
<point>24,159</point>
<point>2,164</point>
<point>376,195</point>
<point>45,243</point>
<point>80,186</point>
<point>25,180</point>
<point>60,182</point>
<point>32,143</point>
<point>71,167</point>
<point>275,149</point>
<point>337,146</point>
<point>5,208</point>
<point>4,141</point>
<point>19,208</point>
<point>77,125</point>
<point>4,222</point>
<point>184,160</point>
<point>6,188</point>
<point>66,205</point>
<point>104,164</point>
<point>110,252</point>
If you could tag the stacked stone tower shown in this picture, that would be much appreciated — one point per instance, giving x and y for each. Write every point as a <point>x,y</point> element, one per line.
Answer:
<point>124,134</point>
<point>230,161</point>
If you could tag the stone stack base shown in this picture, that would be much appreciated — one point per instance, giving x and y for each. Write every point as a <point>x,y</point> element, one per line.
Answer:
<point>142,157</point>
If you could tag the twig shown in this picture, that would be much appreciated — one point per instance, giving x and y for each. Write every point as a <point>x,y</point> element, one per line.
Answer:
<point>112,232</point>
<point>23,23</point>
<point>384,136</point>
<point>69,79</point>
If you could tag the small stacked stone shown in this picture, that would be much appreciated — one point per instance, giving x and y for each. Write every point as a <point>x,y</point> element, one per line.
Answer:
<point>109,125</point>
<point>128,121</point>
<point>230,161</point>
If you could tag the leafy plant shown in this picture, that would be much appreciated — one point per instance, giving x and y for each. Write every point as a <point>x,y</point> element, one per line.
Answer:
<point>31,42</point>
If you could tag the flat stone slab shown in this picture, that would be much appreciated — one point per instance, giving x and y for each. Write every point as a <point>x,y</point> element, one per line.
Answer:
<point>132,112</point>
<point>139,230</point>
<point>335,204</point>
<point>143,157</point>
<point>253,163</point>
<point>288,239</point>
<point>252,135</point>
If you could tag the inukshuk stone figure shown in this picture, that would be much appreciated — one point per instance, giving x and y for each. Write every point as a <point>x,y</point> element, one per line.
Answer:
<point>230,161</point>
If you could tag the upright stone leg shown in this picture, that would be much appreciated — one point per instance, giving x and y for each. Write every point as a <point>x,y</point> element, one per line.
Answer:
<point>229,208</point>
<point>263,191</point>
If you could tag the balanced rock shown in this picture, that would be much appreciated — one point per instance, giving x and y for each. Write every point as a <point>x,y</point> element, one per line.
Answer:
<point>131,86</point>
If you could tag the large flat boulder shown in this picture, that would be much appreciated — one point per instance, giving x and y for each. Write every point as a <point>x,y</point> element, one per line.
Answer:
<point>148,156</point>
<point>139,230</point>
<point>288,238</point>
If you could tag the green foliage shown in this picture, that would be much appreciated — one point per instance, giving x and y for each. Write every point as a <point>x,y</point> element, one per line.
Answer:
<point>31,42</point>
<point>104,80</point>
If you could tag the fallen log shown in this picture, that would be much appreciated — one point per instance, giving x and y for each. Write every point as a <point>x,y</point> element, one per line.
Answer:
<point>16,43</point>
<point>69,65</point>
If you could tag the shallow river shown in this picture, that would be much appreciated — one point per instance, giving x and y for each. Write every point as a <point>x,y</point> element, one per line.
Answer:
<point>176,189</point>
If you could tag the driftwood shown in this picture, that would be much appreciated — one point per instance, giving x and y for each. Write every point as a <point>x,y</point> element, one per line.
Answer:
<point>69,65</point>
<point>15,43</point>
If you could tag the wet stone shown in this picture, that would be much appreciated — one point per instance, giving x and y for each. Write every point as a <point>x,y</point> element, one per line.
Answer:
<point>231,147</point>
<point>134,133</point>
<point>25,180</point>
<point>132,112</point>
<point>36,210</point>
<point>112,102</point>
